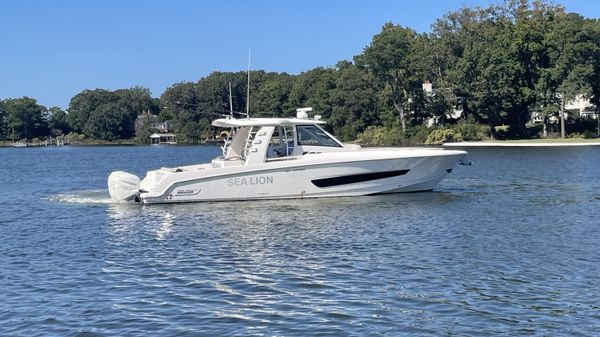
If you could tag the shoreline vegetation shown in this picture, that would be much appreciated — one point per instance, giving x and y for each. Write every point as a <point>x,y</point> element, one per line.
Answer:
<point>549,142</point>
<point>504,72</point>
<point>538,141</point>
<point>527,143</point>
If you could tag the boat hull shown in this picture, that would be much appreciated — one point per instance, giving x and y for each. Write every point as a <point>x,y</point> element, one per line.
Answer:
<point>306,180</point>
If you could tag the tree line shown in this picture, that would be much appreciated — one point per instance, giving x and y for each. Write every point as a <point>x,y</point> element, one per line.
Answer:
<point>496,64</point>
<point>98,114</point>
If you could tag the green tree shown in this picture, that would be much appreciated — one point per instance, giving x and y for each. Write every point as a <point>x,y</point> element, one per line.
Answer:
<point>180,104</point>
<point>496,58</point>
<point>354,102</point>
<point>176,99</point>
<point>126,103</point>
<point>84,104</point>
<point>453,36</point>
<point>272,96</point>
<point>136,100</point>
<point>572,55</point>
<point>3,121</point>
<point>57,121</point>
<point>142,136</point>
<point>110,121</point>
<point>530,24</point>
<point>593,29</point>
<point>25,118</point>
<point>313,88</point>
<point>430,60</point>
<point>213,93</point>
<point>388,57</point>
<point>488,68</point>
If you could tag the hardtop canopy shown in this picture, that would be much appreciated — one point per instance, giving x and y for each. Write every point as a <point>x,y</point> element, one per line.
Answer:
<point>235,123</point>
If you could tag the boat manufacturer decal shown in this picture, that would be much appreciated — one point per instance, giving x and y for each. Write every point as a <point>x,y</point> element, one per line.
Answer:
<point>356,178</point>
<point>186,192</point>
<point>246,181</point>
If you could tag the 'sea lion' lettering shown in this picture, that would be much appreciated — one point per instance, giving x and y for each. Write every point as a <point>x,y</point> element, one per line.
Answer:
<point>245,181</point>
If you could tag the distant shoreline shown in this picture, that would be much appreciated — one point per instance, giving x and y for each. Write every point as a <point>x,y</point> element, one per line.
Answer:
<point>494,143</point>
<point>29,145</point>
<point>10,144</point>
<point>527,143</point>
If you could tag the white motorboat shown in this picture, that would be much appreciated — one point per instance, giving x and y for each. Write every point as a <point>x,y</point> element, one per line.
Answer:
<point>273,158</point>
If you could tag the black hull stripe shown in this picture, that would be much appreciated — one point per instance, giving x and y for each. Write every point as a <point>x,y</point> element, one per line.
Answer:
<point>356,178</point>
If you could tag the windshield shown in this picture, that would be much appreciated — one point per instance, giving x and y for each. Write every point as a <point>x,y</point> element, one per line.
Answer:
<point>312,135</point>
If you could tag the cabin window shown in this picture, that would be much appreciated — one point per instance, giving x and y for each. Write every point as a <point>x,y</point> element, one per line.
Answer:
<point>314,136</point>
<point>282,142</point>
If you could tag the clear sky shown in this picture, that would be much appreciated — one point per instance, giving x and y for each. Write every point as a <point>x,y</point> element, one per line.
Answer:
<point>52,49</point>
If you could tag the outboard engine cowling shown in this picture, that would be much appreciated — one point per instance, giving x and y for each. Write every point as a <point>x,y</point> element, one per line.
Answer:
<point>123,187</point>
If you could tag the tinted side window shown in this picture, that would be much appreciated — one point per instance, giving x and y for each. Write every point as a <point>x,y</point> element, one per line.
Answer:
<point>311,135</point>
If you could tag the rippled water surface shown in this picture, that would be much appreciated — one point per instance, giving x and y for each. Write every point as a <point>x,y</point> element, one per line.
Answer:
<point>510,245</point>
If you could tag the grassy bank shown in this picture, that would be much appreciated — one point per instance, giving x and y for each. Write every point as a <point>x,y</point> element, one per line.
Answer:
<point>529,142</point>
<point>541,141</point>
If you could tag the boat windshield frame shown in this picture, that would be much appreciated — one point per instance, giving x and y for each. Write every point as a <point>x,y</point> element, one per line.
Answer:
<point>322,137</point>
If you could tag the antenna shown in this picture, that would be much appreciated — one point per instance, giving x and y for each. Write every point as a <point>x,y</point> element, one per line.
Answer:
<point>248,89</point>
<point>230,102</point>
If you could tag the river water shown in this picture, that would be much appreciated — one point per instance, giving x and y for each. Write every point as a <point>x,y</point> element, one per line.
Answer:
<point>510,245</point>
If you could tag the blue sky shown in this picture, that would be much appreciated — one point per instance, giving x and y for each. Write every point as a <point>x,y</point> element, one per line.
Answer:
<point>51,50</point>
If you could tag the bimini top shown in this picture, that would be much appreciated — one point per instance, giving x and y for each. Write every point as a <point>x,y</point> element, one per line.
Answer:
<point>235,123</point>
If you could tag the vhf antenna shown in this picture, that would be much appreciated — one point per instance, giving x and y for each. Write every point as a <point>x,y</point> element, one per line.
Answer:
<point>248,89</point>
<point>230,102</point>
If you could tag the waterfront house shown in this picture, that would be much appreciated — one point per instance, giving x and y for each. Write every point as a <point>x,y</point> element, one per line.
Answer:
<point>163,138</point>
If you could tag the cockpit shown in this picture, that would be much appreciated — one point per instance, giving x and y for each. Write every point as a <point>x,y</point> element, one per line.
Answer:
<point>263,140</point>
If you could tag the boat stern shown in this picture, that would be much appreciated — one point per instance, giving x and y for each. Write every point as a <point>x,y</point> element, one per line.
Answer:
<point>123,187</point>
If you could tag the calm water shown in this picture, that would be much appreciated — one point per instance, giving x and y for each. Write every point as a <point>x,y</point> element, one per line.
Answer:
<point>510,245</point>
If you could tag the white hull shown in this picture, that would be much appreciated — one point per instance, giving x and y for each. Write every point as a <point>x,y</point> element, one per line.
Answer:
<point>296,180</point>
<point>282,158</point>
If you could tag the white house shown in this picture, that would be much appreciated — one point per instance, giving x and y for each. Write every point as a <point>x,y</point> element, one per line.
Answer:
<point>163,138</point>
<point>455,114</point>
<point>580,107</point>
